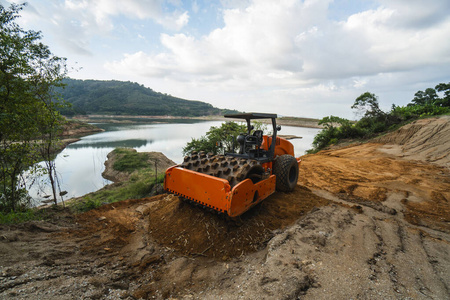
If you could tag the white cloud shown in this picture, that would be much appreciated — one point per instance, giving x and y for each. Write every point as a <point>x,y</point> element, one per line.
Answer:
<point>255,41</point>
<point>291,48</point>
<point>182,20</point>
<point>359,83</point>
<point>417,14</point>
<point>195,7</point>
<point>103,10</point>
<point>398,48</point>
<point>74,23</point>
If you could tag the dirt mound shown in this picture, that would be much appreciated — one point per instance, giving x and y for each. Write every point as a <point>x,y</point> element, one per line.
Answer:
<point>364,175</point>
<point>426,140</point>
<point>191,230</point>
<point>116,221</point>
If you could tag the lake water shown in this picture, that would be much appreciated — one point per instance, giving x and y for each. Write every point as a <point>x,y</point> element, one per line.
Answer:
<point>80,164</point>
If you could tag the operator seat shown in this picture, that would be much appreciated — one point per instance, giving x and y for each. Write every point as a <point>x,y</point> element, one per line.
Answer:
<point>258,134</point>
<point>241,140</point>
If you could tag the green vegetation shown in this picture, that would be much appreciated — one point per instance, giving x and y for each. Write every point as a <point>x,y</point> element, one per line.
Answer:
<point>130,161</point>
<point>128,98</point>
<point>375,121</point>
<point>137,188</point>
<point>29,120</point>
<point>221,139</point>
<point>217,139</point>
<point>20,216</point>
<point>141,183</point>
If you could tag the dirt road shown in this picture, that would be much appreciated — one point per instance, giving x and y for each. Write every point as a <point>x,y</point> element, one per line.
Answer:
<point>369,221</point>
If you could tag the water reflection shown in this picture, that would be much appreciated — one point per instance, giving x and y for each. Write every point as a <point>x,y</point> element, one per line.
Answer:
<point>132,143</point>
<point>80,165</point>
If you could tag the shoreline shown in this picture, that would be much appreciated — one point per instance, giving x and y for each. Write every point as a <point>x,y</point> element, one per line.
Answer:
<point>74,130</point>
<point>286,121</point>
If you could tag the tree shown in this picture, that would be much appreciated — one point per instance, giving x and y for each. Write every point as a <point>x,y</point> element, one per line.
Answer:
<point>368,104</point>
<point>29,72</point>
<point>217,139</point>
<point>444,101</point>
<point>333,121</point>
<point>425,98</point>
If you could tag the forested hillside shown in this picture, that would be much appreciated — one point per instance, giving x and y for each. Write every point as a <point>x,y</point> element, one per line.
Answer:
<point>128,98</point>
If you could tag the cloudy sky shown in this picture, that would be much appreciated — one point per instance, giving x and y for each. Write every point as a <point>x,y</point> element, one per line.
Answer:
<point>308,58</point>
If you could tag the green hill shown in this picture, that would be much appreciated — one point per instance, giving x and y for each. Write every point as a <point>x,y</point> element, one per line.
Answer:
<point>128,98</point>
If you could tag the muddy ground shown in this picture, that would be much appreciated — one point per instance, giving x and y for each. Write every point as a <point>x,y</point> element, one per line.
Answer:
<point>368,221</point>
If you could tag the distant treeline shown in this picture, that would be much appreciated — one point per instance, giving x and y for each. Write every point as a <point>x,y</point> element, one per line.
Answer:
<point>128,98</point>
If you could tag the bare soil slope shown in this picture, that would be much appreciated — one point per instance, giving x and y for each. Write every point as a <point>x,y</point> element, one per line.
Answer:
<point>424,140</point>
<point>361,224</point>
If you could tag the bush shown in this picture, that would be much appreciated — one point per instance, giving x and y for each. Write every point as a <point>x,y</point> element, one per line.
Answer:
<point>21,199</point>
<point>410,112</point>
<point>15,217</point>
<point>218,139</point>
<point>324,138</point>
<point>335,129</point>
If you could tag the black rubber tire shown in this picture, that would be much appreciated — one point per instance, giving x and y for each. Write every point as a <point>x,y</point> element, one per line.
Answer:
<point>285,168</point>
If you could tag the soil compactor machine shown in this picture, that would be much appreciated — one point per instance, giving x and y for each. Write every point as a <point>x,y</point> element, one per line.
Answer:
<point>233,183</point>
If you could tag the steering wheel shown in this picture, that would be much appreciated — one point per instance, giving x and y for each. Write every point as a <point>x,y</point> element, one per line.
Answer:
<point>251,139</point>
<point>255,138</point>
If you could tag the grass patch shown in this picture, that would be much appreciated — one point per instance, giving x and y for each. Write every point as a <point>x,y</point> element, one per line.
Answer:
<point>53,212</point>
<point>133,189</point>
<point>20,216</point>
<point>130,161</point>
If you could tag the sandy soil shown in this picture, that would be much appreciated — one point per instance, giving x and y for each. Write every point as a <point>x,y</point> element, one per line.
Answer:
<point>364,222</point>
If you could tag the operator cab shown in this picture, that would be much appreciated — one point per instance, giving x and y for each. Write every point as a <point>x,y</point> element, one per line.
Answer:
<point>250,142</point>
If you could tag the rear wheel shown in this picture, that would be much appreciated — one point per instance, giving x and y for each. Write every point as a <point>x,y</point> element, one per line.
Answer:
<point>285,168</point>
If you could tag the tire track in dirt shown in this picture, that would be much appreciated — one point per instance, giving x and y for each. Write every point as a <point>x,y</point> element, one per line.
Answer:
<point>390,259</point>
<point>438,269</point>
